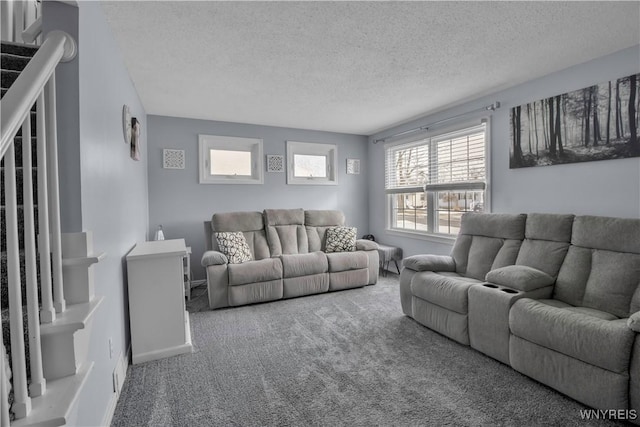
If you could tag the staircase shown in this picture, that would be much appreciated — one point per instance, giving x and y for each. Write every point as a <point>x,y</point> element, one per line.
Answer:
<point>46,282</point>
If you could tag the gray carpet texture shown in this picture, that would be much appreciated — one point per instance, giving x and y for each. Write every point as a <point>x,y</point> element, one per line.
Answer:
<point>348,358</point>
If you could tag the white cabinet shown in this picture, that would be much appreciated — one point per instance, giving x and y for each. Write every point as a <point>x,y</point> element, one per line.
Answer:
<point>158,318</point>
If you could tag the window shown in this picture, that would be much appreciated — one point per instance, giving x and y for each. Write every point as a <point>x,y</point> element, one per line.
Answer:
<point>311,164</point>
<point>230,160</point>
<point>432,180</point>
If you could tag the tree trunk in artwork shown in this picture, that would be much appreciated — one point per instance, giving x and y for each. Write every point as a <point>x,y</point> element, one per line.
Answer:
<point>596,122</point>
<point>543,116</point>
<point>552,128</point>
<point>535,126</point>
<point>587,116</point>
<point>633,140</point>
<point>619,128</point>
<point>529,126</point>
<point>515,123</point>
<point>609,115</point>
<point>558,131</point>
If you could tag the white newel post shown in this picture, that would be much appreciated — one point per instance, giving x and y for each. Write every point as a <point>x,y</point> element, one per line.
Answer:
<point>38,383</point>
<point>22,403</point>
<point>54,194</point>
<point>47,312</point>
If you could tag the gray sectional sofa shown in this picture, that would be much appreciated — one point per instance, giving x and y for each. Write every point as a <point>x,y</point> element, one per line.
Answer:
<point>288,257</point>
<point>556,297</point>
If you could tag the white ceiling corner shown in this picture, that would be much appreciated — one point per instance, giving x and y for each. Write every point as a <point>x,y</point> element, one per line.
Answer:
<point>351,67</point>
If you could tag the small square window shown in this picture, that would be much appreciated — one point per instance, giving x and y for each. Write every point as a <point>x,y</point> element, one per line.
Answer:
<point>311,163</point>
<point>230,160</point>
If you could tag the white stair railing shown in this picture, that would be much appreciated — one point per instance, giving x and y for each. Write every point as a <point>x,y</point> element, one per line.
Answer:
<point>35,85</point>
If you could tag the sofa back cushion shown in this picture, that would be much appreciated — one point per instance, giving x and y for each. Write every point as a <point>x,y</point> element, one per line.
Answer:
<point>285,231</point>
<point>602,267</point>
<point>249,223</point>
<point>316,224</point>
<point>486,242</point>
<point>547,239</point>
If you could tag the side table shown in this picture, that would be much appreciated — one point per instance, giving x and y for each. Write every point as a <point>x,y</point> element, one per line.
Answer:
<point>388,254</point>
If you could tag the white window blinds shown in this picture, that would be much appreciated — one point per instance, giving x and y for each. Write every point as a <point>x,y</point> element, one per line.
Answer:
<point>451,161</point>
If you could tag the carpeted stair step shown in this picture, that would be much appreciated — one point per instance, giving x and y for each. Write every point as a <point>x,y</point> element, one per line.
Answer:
<point>13,62</point>
<point>8,77</point>
<point>18,49</point>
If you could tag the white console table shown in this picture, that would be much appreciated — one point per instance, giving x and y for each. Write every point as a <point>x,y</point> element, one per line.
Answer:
<point>159,322</point>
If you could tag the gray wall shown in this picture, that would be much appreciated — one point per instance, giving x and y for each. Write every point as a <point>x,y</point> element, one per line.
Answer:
<point>609,188</point>
<point>181,204</point>
<point>65,17</point>
<point>113,187</point>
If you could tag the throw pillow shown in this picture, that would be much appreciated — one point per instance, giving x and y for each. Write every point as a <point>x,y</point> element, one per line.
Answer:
<point>341,239</point>
<point>234,246</point>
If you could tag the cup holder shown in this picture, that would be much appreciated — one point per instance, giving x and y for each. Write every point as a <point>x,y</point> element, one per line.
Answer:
<point>509,291</point>
<point>490,286</point>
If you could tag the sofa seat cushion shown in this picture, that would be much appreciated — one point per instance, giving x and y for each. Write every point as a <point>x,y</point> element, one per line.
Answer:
<point>345,261</point>
<point>448,290</point>
<point>255,271</point>
<point>592,336</point>
<point>304,264</point>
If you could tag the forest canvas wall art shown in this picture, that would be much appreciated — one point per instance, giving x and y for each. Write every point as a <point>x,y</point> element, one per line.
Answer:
<point>599,122</point>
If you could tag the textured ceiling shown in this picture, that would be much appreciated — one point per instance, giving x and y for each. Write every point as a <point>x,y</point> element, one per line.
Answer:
<point>352,67</point>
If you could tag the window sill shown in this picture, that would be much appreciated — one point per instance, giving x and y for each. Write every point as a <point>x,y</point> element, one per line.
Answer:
<point>438,238</point>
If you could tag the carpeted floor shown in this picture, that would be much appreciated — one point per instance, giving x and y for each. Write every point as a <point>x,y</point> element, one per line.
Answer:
<point>344,358</point>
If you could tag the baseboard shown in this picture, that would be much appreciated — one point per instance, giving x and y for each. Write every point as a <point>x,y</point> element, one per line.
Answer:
<point>121,369</point>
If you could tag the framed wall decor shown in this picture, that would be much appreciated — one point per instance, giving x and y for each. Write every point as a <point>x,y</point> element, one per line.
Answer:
<point>275,163</point>
<point>353,166</point>
<point>172,159</point>
<point>599,122</point>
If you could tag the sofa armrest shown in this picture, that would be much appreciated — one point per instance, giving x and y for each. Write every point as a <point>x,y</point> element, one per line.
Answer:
<point>520,277</point>
<point>366,245</point>
<point>634,322</point>
<point>213,258</point>
<point>430,263</point>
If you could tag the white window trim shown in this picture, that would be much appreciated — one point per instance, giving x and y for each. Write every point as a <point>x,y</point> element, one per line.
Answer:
<point>215,142</point>
<point>330,151</point>
<point>429,235</point>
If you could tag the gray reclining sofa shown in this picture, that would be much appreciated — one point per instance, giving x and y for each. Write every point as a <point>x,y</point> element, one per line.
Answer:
<point>556,297</point>
<point>288,257</point>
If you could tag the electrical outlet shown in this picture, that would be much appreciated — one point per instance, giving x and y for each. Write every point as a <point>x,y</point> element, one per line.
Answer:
<point>110,348</point>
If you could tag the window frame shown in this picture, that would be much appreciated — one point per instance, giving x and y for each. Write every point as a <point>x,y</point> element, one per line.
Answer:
<point>206,143</point>
<point>431,195</point>
<point>330,151</point>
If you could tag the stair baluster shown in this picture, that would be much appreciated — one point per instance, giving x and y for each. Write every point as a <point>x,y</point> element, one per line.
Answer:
<point>54,193</point>
<point>38,383</point>
<point>47,312</point>
<point>22,403</point>
<point>4,390</point>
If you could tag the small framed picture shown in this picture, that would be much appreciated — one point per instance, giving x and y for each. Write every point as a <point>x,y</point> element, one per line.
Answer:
<point>275,163</point>
<point>172,159</point>
<point>353,166</point>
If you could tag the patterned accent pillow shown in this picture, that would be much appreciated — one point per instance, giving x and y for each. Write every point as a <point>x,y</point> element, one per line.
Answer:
<point>341,239</point>
<point>234,246</point>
